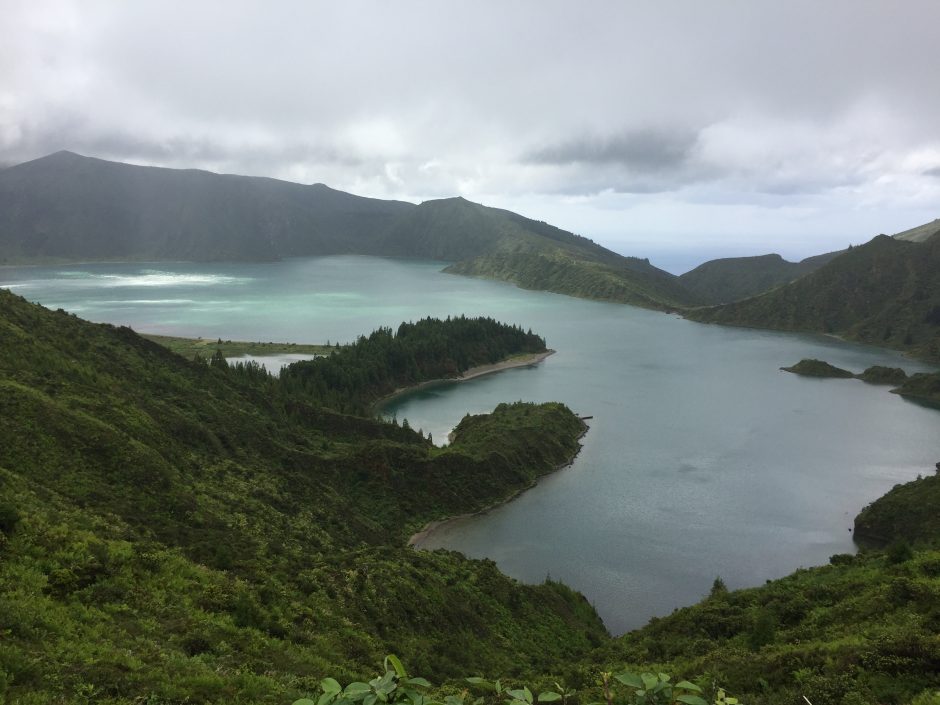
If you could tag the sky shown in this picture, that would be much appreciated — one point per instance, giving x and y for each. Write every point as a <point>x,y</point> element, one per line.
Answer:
<point>678,130</point>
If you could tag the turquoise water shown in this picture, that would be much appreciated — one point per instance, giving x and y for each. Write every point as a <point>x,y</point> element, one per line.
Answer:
<point>703,458</point>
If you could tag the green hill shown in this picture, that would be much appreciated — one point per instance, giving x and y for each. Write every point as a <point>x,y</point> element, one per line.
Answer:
<point>734,278</point>
<point>69,207</point>
<point>182,531</point>
<point>886,292</point>
<point>909,513</point>
<point>923,387</point>
<point>535,255</point>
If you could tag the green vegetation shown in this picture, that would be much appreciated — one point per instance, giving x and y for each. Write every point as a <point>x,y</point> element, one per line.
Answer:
<point>176,530</point>
<point>886,292</point>
<point>396,686</point>
<point>879,374</point>
<point>734,278</point>
<point>909,513</point>
<point>206,347</point>
<point>353,378</point>
<point>179,531</point>
<point>922,387</point>
<point>861,630</point>
<point>499,244</point>
<point>817,368</point>
<point>549,267</point>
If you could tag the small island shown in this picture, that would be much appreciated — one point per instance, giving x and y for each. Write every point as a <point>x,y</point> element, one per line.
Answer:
<point>923,386</point>
<point>918,385</point>
<point>818,368</point>
<point>879,374</point>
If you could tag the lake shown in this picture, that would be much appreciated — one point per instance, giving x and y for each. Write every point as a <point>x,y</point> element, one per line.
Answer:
<point>702,459</point>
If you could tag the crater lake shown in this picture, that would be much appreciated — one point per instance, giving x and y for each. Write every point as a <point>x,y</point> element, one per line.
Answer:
<point>703,459</point>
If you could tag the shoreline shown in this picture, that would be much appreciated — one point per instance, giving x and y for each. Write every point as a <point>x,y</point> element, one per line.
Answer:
<point>417,538</point>
<point>471,373</point>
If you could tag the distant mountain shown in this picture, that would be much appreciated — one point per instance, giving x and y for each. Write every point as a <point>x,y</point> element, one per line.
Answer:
<point>734,278</point>
<point>69,207</point>
<point>499,244</point>
<point>886,292</point>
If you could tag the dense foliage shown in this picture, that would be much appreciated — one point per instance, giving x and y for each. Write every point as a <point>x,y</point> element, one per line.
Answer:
<point>865,629</point>
<point>352,378</point>
<point>886,292</point>
<point>172,531</point>
<point>908,513</point>
<point>923,387</point>
<point>396,687</point>
<point>880,374</point>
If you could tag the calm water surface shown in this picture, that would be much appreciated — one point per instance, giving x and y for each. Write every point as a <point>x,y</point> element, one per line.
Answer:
<point>703,458</point>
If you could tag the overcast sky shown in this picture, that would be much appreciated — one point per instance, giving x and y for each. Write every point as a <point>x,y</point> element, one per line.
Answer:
<point>674,130</point>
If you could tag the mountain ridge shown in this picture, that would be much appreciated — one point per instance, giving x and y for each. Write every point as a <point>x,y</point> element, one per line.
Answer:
<point>69,207</point>
<point>885,292</point>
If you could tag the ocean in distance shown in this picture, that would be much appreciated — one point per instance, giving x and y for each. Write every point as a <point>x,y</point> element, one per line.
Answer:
<point>702,459</point>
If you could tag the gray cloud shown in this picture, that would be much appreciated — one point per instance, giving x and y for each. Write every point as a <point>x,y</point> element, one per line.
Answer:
<point>815,110</point>
<point>642,149</point>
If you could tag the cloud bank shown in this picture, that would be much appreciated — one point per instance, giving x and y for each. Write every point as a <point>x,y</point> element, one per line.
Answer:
<point>796,127</point>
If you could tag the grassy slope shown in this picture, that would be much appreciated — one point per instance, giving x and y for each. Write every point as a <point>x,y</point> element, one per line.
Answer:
<point>498,244</point>
<point>886,292</point>
<point>184,534</point>
<point>206,347</point>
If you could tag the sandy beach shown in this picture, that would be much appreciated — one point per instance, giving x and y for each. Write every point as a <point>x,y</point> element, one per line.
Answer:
<point>471,373</point>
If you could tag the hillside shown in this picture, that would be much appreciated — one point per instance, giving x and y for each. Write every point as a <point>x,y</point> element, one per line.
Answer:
<point>182,531</point>
<point>733,278</point>
<point>922,387</point>
<point>886,292</point>
<point>176,531</point>
<point>69,207</point>
<point>921,233</point>
<point>909,513</point>
<point>861,630</point>
<point>535,255</point>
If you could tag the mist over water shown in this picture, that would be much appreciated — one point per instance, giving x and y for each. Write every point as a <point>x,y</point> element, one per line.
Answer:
<point>702,458</point>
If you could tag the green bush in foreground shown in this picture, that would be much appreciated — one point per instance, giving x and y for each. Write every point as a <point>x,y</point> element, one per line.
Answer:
<point>395,686</point>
